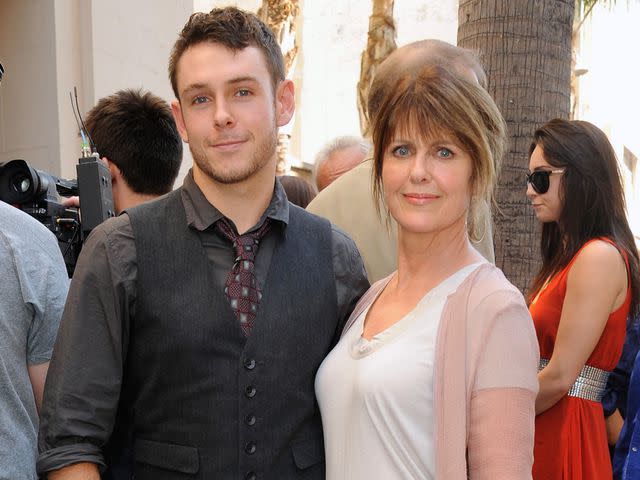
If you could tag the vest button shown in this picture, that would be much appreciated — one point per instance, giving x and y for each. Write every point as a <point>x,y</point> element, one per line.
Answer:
<point>250,391</point>
<point>249,364</point>
<point>250,476</point>
<point>250,420</point>
<point>250,448</point>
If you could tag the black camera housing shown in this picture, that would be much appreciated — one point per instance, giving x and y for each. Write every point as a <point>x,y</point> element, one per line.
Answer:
<point>38,193</point>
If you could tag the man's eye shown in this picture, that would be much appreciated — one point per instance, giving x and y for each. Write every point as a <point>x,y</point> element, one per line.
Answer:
<point>445,153</point>
<point>200,99</point>
<point>243,92</point>
<point>402,151</point>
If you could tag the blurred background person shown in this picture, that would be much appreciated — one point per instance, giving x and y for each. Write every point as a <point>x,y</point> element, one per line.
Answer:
<point>626,459</point>
<point>298,190</point>
<point>136,135</point>
<point>338,157</point>
<point>582,295</point>
<point>440,356</point>
<point>33,290</point>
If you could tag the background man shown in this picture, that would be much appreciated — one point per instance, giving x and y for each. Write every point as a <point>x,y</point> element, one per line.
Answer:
<point>32,292</point>
<point>348,202</point>
<point>338,157</point>
<point>205,348</point>
<point>136,135</point>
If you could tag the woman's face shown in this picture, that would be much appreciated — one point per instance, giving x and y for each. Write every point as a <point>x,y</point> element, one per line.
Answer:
<point>547,206</point>
<point>427,183</point>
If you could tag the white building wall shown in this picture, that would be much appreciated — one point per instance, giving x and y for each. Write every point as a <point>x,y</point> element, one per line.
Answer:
<point>29,124</point>
<point>609,95</point>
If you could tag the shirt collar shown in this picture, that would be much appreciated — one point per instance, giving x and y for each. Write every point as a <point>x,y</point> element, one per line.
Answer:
<point>201,214</point>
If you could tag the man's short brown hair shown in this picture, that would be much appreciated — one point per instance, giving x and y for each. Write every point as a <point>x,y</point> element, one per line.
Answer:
<point>136,131</point>
<point>234,29</point>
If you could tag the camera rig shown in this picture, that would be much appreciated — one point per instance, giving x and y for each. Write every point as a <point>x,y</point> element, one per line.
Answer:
<point>38,193</point>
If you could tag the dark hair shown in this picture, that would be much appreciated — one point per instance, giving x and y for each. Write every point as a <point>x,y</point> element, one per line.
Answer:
<point>436,101</point>
<point>136,131</point>
<point>298,190</point>
<point>592,193</point>
<point>412,58</point>
<point>234,29</point>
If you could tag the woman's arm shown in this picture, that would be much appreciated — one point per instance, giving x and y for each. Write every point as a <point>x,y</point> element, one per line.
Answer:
<point>501,433</point>
<point>596,286</point>
<point>502,409</point>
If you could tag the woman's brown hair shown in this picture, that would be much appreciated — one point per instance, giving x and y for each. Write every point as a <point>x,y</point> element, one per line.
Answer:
<point>593,203</point>
<point>433,101</point>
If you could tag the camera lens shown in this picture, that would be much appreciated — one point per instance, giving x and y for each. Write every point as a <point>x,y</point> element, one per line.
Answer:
<point>21,184</point>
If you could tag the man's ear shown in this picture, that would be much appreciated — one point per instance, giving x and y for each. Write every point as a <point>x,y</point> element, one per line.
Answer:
<point>116,173</point>
<point>285,102</point>
<point>176,109</point>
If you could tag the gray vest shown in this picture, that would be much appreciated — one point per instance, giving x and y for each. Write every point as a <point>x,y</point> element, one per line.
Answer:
<point>202,400</point>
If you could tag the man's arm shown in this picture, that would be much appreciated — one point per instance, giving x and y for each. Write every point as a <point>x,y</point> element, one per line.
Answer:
<point>78,471</point>
<point>82,390</point>
<point>351,277</point>
<point>37,376</point>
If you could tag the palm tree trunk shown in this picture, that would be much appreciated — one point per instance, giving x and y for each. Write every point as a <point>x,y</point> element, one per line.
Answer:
<point>525,46</point>
<point>281,16</point>
<point>380,43</point>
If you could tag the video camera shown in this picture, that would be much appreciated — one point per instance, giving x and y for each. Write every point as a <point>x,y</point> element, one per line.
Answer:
<point>38,193</point>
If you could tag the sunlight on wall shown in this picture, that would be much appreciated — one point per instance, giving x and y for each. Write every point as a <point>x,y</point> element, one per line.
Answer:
<point>609,90</point>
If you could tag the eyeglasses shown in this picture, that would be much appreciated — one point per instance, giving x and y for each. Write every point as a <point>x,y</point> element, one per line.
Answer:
<point>539,179</point>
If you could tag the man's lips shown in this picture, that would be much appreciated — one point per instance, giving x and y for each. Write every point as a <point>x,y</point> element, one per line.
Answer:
<point>228,144</point>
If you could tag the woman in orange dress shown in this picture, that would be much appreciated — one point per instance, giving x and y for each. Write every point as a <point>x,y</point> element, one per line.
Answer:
<point>582,296</point>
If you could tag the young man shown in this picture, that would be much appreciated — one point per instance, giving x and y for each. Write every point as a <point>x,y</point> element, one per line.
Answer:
<point>348,202</point>
<point>203,351</point>
<point>136,136</point>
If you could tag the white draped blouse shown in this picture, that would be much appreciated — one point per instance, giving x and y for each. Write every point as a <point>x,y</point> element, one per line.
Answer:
<point>376,397</point>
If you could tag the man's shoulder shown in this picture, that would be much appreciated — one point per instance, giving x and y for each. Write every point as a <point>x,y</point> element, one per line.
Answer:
<point>156,204</point>
<point>113,226</point>
<point>113,233</point>
<point>23,232</point>
<point>338,237</point>
<point>300,215</point>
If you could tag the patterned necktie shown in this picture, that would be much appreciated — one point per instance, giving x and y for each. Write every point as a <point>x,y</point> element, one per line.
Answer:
<point>241,288</point>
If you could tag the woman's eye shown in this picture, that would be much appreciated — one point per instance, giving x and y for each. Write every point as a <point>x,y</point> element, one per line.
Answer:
<point>402,151</point>
<point>445,153</point>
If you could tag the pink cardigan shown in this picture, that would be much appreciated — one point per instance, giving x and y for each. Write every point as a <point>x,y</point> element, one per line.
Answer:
<point>485,379</point>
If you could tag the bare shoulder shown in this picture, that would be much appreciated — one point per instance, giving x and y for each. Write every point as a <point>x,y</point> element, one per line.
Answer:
<point>599,263</point>
<point>600,254</point>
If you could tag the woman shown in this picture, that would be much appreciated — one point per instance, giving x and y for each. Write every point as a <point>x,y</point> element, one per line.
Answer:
<point>435,374</point>
<point>582,296</point>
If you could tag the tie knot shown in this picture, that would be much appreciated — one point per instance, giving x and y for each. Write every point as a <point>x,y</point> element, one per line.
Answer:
<point>245,245</point>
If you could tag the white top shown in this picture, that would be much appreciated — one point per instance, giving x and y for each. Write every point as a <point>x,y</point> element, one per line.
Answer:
<point>376,397</point>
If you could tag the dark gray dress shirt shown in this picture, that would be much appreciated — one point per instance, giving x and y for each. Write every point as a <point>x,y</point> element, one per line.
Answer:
<point>102,300</point>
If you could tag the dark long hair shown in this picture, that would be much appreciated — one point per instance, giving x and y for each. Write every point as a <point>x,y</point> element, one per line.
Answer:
<point>592,194</point>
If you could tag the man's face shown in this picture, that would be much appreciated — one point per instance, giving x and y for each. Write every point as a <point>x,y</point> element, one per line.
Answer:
<point>228,113</point>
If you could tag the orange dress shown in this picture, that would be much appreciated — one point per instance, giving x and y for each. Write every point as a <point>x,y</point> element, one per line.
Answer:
<point>570,437</point>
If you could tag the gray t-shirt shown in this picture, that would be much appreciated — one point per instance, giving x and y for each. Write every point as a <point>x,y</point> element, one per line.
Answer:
<point>33,289</point>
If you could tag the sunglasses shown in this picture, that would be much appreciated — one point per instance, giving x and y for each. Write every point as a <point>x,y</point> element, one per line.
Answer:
<point>539,179</point>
